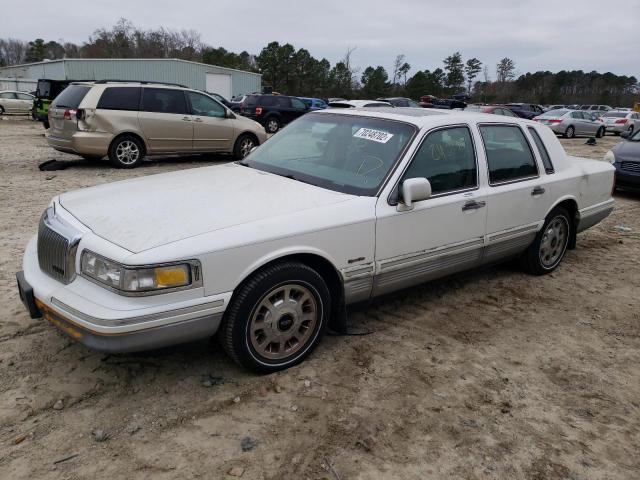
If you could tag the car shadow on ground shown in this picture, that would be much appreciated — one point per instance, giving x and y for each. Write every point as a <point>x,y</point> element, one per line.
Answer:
<point>213,159</point>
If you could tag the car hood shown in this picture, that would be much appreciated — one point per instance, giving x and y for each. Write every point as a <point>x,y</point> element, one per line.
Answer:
<point>147,212</point>
<point>627,151</point>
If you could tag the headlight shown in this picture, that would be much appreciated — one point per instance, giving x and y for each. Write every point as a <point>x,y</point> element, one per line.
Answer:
<point>148,279</point>
<point>610,157</point>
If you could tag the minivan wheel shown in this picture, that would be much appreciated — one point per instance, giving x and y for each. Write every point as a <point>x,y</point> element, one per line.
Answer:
<point>273,125</point>
<point>570,132</point>
<point>126,152</point>
<point>276,318</point>
<point>243,146</point>
<point>548,249</point>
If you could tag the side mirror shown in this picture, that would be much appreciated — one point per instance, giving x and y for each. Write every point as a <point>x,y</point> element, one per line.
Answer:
<point>414,190</point>
<point>624,134</point>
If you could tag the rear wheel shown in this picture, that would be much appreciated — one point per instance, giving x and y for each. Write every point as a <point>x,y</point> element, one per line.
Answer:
<point>548,249</point>
<point>243,146</point>
<point>570,132</point>
<point>273,125</point>
<point>600,132</point>
<point>276,318</point>
<point>126,152</point>
<point>1,110</point>
<point>630,130</point>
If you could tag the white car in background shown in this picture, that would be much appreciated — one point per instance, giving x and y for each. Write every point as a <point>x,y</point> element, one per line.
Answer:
<point>341,206</point>
<point>618,121</point>
<point>16,102</point>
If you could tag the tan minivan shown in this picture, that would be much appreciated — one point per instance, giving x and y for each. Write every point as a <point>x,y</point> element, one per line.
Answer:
<point>127,121</point>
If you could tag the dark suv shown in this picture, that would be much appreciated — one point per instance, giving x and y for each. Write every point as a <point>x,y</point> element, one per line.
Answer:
<point>272,111</point>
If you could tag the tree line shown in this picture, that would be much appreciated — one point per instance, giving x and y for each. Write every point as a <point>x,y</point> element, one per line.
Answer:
<point>297,72</point>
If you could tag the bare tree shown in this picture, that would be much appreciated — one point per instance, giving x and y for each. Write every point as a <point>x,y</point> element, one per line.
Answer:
<point>396,68</point>
<point>12,51</point>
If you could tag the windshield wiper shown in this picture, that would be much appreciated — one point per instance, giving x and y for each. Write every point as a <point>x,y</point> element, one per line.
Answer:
<point>293,177</point>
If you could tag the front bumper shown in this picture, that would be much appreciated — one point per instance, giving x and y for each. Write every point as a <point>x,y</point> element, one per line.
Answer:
<point>106,321</point>
<point>626,178</point>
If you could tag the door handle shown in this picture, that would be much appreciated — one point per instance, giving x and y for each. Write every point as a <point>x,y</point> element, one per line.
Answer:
<point>186,119</point>
<point>199,120</point>
<point>537,191</point>
<point>473,205</point>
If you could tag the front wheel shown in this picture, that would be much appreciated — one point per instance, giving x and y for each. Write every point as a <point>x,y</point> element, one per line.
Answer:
<point>276,318</point>
<point>243,146</point>
<point>548,249</point>
<point>126,152</point>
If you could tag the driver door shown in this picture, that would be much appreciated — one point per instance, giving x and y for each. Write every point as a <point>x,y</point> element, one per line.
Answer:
<point>443,234</point>
<point>212,130</point>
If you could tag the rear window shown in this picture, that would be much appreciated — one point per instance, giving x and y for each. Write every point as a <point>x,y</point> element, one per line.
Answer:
<point>163,100</point>
<point>555,113</point>
<point>616,114</point>
<point>71,96</point>
<point>544,155</point>
<point>120,98</point>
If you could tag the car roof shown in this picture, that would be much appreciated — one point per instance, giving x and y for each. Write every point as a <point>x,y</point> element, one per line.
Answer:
<point>359,103</point>
<point>421,117</point>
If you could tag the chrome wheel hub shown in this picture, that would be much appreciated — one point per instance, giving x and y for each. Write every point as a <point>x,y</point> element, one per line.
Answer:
<point>554,242</point>
<point>127,152</point>
<point>283,321</point>
<point>245,147</point>
<point>273,125</point>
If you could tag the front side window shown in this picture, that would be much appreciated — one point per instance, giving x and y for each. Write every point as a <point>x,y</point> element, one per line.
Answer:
<point>544,154</point>
<point>344,153</point>
<point>163,100</point>
<point>205,106</point>
<point>447,159</point>
<point>24,96</point>
<point>509,155</point>
<point>120,98</point>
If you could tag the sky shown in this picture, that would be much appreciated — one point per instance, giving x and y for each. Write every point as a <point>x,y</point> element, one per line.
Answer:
<point>537,34</point>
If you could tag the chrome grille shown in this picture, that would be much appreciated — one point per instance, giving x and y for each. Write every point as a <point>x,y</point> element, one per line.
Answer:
<point>630,166</point>
<point>57,247</point>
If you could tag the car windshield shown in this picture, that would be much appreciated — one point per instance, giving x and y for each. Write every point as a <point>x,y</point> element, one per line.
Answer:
<point>616,114</point>
<point>344,153</point>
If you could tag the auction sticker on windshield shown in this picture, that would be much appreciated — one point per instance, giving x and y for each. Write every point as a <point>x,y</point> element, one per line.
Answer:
<point>375,135</point>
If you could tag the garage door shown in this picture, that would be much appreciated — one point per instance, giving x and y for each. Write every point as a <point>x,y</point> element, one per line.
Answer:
<point>219,83</point>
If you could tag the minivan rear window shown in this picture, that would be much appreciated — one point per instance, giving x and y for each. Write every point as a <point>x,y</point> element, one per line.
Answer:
<point>71,96</point>
<point>120,98</point>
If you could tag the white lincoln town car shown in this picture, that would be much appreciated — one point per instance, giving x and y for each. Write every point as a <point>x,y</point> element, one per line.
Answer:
<point>341,206</point>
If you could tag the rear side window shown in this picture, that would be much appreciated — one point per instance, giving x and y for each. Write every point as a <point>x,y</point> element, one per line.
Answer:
<point>8,95</point>
<point>71,96</point>
<point>509,155</point>
<point>163,100</point>
<point>120,98</point>
<point>544,154</point>
<point>267,101</point>
<point>283,102</point>
<point>296,103</point>
<point>447,159</point>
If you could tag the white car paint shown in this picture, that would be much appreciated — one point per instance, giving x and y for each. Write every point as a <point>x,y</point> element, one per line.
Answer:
<point>234,219</point>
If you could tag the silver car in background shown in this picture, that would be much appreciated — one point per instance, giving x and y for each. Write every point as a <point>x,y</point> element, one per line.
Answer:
<point>621,121</point>
<point>15,102</point>
<point>570,123</point>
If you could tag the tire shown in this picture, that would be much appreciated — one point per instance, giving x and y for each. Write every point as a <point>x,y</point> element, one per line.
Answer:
<point>630,131</point>
<point>272,125</point>
<point>243,146</point>
<point>126,152</point>
<point>299,291</point>
<point>1,110</point>
<point>600,132</point>
<point>548,249</point>
<point>570,132</point>
<point>45,124</point>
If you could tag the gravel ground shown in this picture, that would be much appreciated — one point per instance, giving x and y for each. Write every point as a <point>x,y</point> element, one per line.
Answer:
<point>493,374</point>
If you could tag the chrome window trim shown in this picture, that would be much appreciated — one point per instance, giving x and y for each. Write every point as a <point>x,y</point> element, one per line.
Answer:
<point>484,147</point>
<point>394,191</point>
<point>196,276</point>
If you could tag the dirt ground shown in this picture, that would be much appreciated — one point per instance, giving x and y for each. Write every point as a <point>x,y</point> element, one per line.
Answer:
<point>494,374</point>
